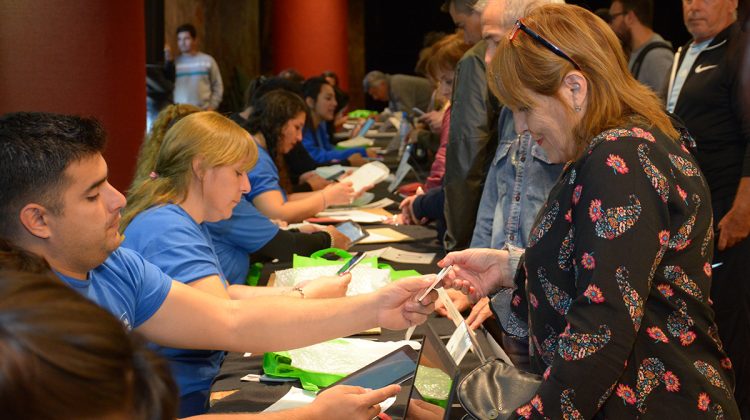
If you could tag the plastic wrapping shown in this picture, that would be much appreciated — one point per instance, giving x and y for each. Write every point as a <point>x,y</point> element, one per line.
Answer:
<point>433,384</point>
<point>364,279</point>
<point>322,364</point>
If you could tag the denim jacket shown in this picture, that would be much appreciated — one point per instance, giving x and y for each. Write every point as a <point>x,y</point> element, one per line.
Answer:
<point>518,183</point>
<point>517,186</point>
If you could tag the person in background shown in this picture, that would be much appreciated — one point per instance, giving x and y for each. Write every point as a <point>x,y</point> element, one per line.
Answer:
<point>321,101</point>
<point>650,54</point>
<point>301,165</point>
<point>471,140</point>
<point>199,174</point>
<point>518,183</point>
<point>704,91</point>
<point>55,202</point>
<point>440,67</point>
<point>432,118</point>
<point>402,91</point>
<point>292,75</point>
<point>276,126</point>
<point>331,77</point>
<point>603,14</point>
<point>197,77</point>
<point>614,334</point>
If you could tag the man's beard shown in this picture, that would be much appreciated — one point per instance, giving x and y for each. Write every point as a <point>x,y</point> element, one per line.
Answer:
<point>625,39</point>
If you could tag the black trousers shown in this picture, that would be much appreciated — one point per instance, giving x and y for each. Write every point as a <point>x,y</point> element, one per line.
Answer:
<point>730,293</point>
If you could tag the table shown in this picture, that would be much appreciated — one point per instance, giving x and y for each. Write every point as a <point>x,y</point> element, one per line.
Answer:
<point>237,396</point>
<point>229,394</point>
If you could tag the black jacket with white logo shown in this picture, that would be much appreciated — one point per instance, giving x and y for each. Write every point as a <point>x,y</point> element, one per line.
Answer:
<point>710,105</point>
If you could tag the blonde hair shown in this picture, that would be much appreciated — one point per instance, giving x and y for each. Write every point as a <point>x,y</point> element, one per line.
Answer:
<point>614,97</point>
<point>216,139</point>
<point>150,148</point>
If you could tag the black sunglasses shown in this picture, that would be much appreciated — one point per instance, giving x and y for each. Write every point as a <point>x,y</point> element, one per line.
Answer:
<point>550,46</point>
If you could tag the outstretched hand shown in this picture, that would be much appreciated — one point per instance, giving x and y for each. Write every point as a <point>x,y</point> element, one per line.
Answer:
<point>327,286</point>
<point>397,303</point>
<point>477,272</point>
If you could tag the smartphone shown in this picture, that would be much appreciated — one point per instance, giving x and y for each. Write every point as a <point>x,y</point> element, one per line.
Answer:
<point>438,279</point>
<point>352,230</point>
<point>393,368</point>
<point>366,127</point>
<point>418,111</point>
<point>349,265</point>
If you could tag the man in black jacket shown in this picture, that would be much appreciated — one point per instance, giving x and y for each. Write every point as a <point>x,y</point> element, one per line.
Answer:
<point>472,139</point>
<point>704,91</point>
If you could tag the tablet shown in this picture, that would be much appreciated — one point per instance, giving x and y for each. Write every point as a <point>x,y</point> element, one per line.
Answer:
<point>393,368</point>
<point>437,375</point>
<point>352,230</point>
<point>365,128</point>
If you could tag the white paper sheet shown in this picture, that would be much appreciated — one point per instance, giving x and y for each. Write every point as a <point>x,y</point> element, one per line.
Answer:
<point>295,398</point>
<point>368,174</point>
<point>298,397</point>
<point>380,204</point>
<point>397,255</point>
<point>356,142</point>
<point>353,215</point>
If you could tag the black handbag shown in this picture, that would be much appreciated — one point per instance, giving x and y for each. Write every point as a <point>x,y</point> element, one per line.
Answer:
<point>495,389</point>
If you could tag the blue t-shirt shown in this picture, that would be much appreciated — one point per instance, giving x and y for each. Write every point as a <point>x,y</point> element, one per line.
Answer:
<point>126,285</point>
<point>318,145</point>
<point>168,237</point>
<point>237,237</point>
<point>264,176</point>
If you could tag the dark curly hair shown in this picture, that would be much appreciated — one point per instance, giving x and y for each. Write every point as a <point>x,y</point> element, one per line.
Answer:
<point>270,113</point>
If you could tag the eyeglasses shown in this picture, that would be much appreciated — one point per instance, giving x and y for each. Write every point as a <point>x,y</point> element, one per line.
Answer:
<point>550,46</point>
<point>612,16</point>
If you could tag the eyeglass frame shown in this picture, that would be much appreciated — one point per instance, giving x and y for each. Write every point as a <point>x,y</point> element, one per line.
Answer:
<point>519,25</point>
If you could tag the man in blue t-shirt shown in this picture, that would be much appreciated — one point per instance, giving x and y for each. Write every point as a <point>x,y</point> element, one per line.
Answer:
<point>55,201</point>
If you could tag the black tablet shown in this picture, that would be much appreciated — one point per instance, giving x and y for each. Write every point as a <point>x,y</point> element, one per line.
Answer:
<point>393,368</point>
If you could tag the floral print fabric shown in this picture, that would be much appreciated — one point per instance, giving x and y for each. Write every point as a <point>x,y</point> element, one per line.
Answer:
<point>614,295</point>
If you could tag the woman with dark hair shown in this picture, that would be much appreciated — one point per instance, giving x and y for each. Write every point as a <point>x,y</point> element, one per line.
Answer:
<point>320,97</point>
<point>276,125</point>
<point>613,293</point>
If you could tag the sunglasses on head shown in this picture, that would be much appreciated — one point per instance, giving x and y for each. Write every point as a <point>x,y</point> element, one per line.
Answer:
<point>520,26</point>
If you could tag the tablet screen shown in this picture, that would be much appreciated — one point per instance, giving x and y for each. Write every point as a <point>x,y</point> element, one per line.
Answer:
<point>394,368</point>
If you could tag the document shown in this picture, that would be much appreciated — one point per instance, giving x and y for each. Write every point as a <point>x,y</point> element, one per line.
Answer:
<point>295,398</point>
<point>368,174</point>
<point>359,216</point>
<point>355,142</point>
<point>397,255</point>
<point>380,204</point>
<point>384,235</point>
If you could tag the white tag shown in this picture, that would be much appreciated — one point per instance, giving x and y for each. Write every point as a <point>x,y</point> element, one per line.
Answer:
<point>459,343</point>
